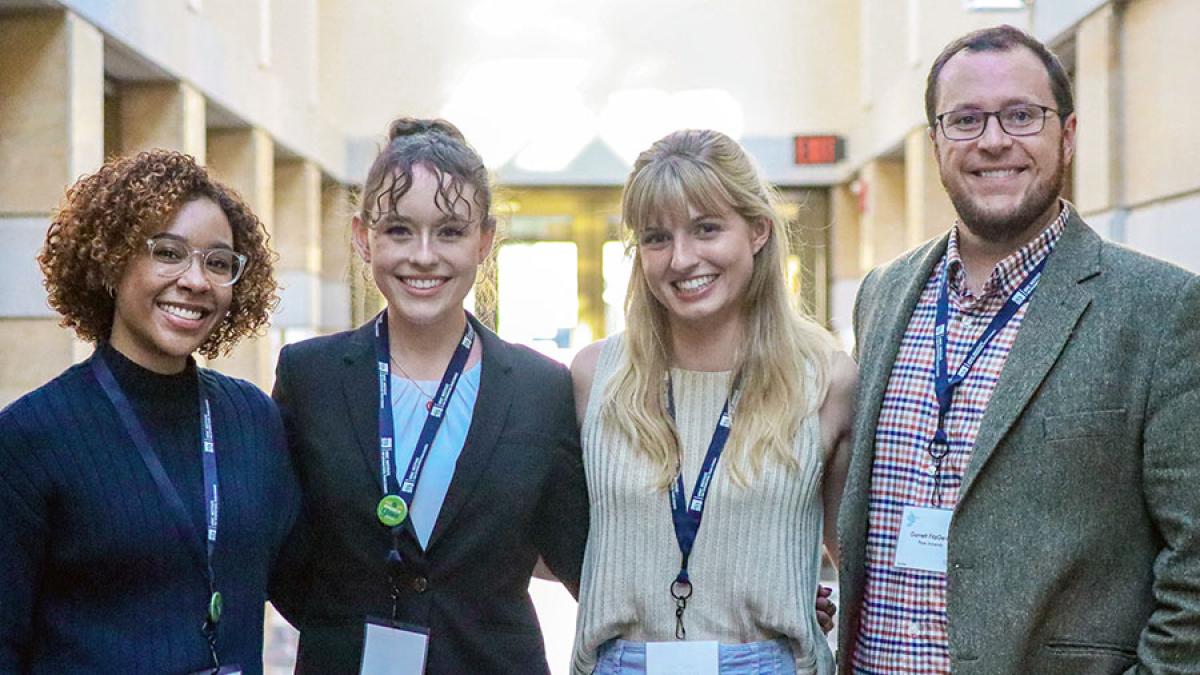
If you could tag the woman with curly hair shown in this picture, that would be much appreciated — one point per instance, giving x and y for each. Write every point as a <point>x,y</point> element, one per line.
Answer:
<point>144,499</point>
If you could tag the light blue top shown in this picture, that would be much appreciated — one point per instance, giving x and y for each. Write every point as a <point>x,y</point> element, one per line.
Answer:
<point>408,411</point>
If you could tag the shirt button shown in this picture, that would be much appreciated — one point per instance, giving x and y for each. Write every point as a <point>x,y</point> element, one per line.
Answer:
<point>931,470</point>
<point>914,629</point>
<point>420,584</point>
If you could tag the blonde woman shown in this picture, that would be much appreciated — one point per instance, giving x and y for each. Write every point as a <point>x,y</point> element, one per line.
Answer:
<point>722,406</point>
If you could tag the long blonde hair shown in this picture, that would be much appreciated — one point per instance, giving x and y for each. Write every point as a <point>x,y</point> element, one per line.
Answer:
<point>784,359</point>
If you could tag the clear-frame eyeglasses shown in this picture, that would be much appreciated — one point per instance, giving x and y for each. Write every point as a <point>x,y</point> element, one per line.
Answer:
<point>173,258</point>
<point>1025,119</point>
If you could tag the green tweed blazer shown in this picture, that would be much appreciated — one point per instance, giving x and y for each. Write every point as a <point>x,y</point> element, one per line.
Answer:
<point>1075,544</point>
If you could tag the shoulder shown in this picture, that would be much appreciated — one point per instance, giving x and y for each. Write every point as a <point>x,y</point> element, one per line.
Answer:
<point>62,391</point>
<point>1130,266</point>
<point>241,392</point>
<point>583,366</point>
<point>321,347</point>
<point>843,383</point>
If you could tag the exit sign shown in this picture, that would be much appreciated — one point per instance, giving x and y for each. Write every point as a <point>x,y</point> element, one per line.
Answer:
<point>823,149</point>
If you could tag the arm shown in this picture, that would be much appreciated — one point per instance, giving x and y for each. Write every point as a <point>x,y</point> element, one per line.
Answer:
<point>837,420</point>
<point>288,586</point>
<point>1171,474</point>
<point>24,533</point>
<point>562,524</point>
<point>583,371</point>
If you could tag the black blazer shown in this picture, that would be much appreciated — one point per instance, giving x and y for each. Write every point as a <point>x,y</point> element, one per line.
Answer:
<point>518,491</point>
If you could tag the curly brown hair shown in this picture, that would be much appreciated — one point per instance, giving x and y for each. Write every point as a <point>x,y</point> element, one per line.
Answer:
<point>104,220</point>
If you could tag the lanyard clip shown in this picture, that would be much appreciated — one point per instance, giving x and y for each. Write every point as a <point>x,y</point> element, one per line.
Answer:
<point>681,590</point>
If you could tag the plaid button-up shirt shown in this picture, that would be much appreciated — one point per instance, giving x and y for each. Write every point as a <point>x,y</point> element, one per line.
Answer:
<point>904,626</point>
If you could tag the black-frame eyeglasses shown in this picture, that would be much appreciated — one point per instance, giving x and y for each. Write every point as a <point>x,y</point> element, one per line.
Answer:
<point>1024,119</point>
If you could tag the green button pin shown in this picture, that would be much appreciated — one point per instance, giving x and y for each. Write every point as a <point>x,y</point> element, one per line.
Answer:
<point>392,510</point>
<point>215,605</point>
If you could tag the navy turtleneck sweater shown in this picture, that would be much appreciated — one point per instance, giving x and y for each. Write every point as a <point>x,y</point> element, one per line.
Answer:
<point>95,575</point>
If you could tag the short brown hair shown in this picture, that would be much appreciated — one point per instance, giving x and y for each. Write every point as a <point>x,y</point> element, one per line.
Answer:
<point>104,220</point>
<point>1000,39</point>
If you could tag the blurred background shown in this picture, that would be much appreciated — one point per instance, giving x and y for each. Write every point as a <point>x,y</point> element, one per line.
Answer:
<point>287,101</point>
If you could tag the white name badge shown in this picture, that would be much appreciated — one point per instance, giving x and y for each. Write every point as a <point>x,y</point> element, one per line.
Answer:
<point>392,649</point>
<point>923,535</point>
<point>683,658</point>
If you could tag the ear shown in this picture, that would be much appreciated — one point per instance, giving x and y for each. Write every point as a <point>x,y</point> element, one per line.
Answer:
<point>487,237</point>
<point>1068,139</point>
<point>760,232</point>
<point>360,238</point>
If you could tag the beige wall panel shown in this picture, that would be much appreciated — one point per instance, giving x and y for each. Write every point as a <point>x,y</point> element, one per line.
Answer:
<point>1095,73</point>
<point>297,215</point>
<point>32,352</point>
<point>244,160</point>
<point>844,240</point>
<point>1162,89</point>
<point>883,230</point>
<point>336,213</point>
<point>928,211</point>
<point>51,107</point>
<point>162,115</point>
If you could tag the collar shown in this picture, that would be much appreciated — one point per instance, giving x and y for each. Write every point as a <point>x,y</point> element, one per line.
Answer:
<point>1011,271</point>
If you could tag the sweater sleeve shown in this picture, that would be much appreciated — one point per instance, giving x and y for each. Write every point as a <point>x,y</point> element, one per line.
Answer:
<point>23,533</point>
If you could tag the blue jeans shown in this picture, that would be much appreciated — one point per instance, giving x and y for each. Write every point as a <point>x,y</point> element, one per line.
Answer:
<point>771,657</point>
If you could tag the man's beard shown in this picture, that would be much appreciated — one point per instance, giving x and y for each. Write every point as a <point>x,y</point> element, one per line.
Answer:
<point>1002,227</point>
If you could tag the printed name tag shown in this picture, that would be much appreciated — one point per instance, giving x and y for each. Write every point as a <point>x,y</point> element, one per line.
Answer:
<point>394,649</point>
<point>923,535</point>
<point>682,658</point>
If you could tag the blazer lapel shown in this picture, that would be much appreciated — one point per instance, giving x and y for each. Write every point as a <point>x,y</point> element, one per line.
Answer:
<point>1054,311</point>
<point>884,324</point>
<point>360,386</point>
<point>487,422</point>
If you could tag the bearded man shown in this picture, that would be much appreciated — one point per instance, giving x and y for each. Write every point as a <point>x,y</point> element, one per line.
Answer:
<point>1024,495</point>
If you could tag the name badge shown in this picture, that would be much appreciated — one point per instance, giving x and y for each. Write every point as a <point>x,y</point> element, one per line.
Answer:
<point>923,535</point>
<point>394,649</point>
<point>701,657</point>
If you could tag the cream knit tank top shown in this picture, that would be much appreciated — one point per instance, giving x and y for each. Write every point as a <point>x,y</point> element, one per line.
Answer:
<point>755,562</point>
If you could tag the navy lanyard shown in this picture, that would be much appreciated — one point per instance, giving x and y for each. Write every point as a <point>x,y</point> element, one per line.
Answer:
<point>685,513</point>
<point>397,499</point>
<point>944,383</point>
<point>212,500</point>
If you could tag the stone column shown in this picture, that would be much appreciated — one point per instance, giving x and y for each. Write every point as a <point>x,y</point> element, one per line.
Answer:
<point>161,115</point>
<point>51,132</point>
<point>928,211</point>
<point>244,160</point>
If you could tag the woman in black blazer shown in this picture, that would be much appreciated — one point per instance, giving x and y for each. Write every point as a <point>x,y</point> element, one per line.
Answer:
<point>425,394</point>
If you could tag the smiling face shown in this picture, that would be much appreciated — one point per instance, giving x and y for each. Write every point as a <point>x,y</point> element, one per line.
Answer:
<point>699,266</point>
<point>159,321</point>
<point>1003,187</point>
<point>424,258</point>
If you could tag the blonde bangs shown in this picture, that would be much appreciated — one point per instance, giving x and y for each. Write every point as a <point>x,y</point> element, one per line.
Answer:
<point>667,189</point>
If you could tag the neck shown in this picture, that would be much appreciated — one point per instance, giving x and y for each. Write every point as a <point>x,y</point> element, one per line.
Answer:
<point>980,255</point>
<point>425,349</point>
<point>706,347</point>
<point>163,364</point>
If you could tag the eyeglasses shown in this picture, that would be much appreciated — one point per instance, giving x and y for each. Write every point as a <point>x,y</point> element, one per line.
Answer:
<point>1026,119</point>
<point>173,258</point>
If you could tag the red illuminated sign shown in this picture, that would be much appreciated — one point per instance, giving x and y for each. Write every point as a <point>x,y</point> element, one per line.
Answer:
<point>823,149</point>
